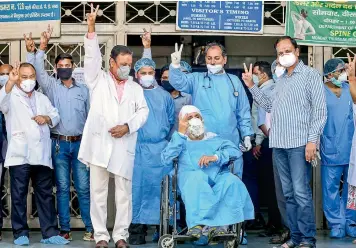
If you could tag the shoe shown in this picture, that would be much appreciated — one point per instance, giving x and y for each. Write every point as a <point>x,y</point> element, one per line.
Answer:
<point>155,237</point>
<point>55,240</point>
<point>306,245</point>
<point>337,233</point>
<point>88,236</point>
<point>195,232</point>
<point>121,244</point>
<point>23,240</point>
<point>137,239</point>
<point>280,239</point>
<point>351,230</point>
<point>288,244</point>
<point>67,235</point>
<point>102,244</point>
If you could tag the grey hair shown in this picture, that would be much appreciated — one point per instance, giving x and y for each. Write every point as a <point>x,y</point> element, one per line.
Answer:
<point>215,44</point>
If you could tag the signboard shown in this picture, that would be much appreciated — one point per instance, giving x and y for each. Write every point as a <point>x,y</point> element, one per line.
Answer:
<point>19,17</point>
<point>322,23</point>
<point>220,16</point>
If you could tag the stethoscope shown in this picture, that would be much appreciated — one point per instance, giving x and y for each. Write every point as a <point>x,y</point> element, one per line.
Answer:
<point>236,93</point>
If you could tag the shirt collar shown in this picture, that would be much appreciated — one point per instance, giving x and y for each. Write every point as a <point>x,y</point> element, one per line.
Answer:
<point>270,81</point>
<point>74,83</point>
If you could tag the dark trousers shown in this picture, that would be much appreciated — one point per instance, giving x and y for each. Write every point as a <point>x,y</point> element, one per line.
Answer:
<point>2,183</point>
<point>250,178</point>
<point>41,177</point>
<point>267,187</point>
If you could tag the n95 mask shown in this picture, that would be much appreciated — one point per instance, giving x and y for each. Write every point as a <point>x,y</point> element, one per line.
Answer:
<point>196,127</point>
<point>28,85</point>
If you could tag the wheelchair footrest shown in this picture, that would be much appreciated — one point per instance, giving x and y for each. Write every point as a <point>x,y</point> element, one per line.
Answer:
<point>184,238</point>
<point>224,237</point>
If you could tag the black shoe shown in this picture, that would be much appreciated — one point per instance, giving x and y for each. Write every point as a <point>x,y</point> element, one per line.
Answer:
<point>137,239</point>
<point>280,239</point>
<point>269,232</point>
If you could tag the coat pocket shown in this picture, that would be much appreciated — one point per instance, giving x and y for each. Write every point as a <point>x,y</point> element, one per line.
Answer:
<point>18,144</point>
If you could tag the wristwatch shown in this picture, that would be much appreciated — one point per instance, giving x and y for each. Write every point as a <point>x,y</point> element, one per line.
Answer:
<point>127,127</point>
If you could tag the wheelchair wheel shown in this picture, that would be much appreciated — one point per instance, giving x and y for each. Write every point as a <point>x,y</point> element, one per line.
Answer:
<point>164,209</point>
<point>166,241</point>
<point>237,228</point>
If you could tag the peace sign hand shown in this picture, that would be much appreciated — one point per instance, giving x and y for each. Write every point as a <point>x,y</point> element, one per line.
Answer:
<point>350,67</point>
<point>177,55</point>
<point>14,74</point>
<point>146,38</point>
<point>91,17</point>
<point>247,76</point>
<point>30,44</point>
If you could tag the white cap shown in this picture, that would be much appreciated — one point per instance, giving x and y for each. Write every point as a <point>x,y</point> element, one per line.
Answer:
<point>188,109</point>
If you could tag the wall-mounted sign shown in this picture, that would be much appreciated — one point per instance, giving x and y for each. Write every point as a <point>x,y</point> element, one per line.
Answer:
<point>322,23</point>
<point>220,16</point>
<point>19,17</point>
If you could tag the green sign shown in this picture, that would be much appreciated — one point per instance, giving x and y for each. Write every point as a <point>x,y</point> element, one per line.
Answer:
<point>322,23</point>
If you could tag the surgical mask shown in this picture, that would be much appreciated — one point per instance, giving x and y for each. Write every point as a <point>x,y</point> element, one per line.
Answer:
<point>4,79</point>
<point>343,77</point>
<point>279,71</point>
<point>195,128</point>
<point>214,68</point>
<point>64,73</point>
<point>335,82</point>
<point>147,80</point>
<point>123,72</point>
<point>167,86</point>
<point>28,85</point>
<point>255,79</point>
<point>287,60</point>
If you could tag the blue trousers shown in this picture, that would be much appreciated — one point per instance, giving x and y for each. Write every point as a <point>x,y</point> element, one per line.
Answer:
<point>41,177</point>
<point>66,160</point>
<point>295,175</point>
<point>334,205</point>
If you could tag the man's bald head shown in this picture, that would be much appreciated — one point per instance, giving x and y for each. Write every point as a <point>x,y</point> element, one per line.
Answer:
<point>5,69</point>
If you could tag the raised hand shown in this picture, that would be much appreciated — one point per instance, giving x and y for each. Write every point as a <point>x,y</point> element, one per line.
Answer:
<point>14,74</point>
<point>247,76</point>
<point>183,124</point>
<point>146,38</point>
<point>177,55</point>
<point>30,44</point>
<point>91,17</point>
<point>350,67</point>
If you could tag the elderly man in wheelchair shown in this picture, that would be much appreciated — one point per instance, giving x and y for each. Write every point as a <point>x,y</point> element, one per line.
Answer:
<point>214,197</point>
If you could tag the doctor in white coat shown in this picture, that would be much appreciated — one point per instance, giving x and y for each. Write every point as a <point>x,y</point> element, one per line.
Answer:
<point>29,115</point>
<point>117,110</point>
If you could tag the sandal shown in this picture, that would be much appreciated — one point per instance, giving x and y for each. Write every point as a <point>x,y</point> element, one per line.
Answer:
<point>288,244</point>
<point>306,245</point>
<point>195,232</point>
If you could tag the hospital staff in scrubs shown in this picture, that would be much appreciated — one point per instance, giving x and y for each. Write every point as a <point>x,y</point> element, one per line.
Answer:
<point>335,148</point>
<point>213,196</point>
<point>220,97</point>
<point>180,98</point>
<point>152,139</point>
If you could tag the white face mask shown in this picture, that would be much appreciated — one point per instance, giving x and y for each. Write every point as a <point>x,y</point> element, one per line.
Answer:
<point>287,60</point>
<point>147,81</point>
<point>214,68</point>
<point>28,85</point>
<point>343,77</point>
<point>3,79</point>
<point>196,127</point>
<point>255,79</point>
<point>279,71</point>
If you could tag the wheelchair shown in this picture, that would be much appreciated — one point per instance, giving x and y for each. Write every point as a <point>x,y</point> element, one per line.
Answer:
<point>169,237</point>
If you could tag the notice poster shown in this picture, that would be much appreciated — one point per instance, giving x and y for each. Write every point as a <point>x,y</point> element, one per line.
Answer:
<point>322,23</point>
<point>19,17</point>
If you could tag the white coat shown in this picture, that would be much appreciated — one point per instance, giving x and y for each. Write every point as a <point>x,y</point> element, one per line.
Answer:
<point>352,167</point>
<point>25,144</point>
<point>98,147</point>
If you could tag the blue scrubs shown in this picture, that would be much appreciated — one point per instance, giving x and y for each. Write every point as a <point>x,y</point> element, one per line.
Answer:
<point>148,170</point>
<point>212,195</point>
<point>335,149</point>
<point>223,113</point>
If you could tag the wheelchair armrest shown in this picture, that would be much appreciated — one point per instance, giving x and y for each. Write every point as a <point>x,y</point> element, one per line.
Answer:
<point>231,163</point>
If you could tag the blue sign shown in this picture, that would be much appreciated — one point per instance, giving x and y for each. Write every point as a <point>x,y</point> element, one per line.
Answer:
<point>221,16</point>
<point>24,11</point>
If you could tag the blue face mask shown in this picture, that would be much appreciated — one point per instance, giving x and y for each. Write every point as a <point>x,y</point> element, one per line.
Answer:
<point>274,77</point>
<point>255,79</point>
<point>335,82</point>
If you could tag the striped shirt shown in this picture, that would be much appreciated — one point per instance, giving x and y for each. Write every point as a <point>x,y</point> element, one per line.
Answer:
<point>298,108</point>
